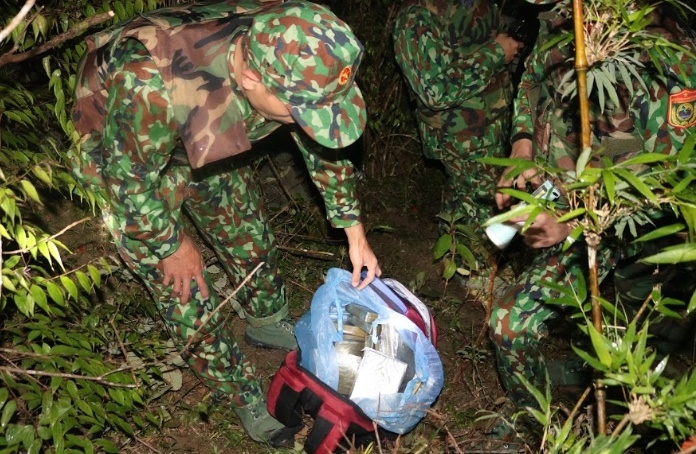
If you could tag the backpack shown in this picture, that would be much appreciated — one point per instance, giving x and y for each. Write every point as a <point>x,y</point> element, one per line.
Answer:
<point>338,422</point>
<point>308,380</point>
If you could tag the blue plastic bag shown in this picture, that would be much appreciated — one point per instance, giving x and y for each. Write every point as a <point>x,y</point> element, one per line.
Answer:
<point>317,333</point>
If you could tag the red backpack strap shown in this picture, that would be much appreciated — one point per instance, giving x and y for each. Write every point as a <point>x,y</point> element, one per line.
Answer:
<point>285,392</point>
<point>294,391</point>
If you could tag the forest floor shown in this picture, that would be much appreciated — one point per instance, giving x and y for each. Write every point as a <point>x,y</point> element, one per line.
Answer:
<point>400,210</point>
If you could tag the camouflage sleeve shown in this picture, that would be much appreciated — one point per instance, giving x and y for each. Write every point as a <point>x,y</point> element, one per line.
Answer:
<point>139,133</point>
<point>666,114</point>
<point>441,73</point>
<point>522,120</point>
<point>334,176</point>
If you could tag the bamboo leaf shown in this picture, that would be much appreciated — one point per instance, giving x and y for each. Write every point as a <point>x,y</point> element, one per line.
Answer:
<point>692,303</point>
<point>686,152</point>
<point>676,254</point>
<point>600,347</point>
<point>609,185</point>
<point>643,158</point>
<point>634,181</point>
<point>661,232</point>
<point>582,161</point>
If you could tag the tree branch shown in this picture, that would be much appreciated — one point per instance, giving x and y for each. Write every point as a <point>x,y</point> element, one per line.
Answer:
<point>57,40</point>
<point>14,23</point>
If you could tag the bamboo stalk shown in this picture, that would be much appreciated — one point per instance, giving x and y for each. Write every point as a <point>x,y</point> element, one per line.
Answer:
<point>581,74</point>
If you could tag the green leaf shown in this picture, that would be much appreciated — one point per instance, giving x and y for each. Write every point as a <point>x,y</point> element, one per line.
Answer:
<point>609,184</point>
<point>70,286</point>
<point>107,445</point>
<point>675,254</point>
<point>600,347</point>
<point>686,152</point>
<point>55,293</point>
<point>450,270</point>
<point>643,158</point>
<point>55,253</point>
<point>84,281</point>
<point>40,297</point>
<point>634,181</point>
<point>94,274</point>
<point>121,424</point>
<point>572,215</point>
<point>442,246</point>
<point>7,412</point>
<point>692,303</point>
<point>589,359</point>
<point>661,232</point>
<point>20,236</point>
<point>4,394</point>
<point>468,256</point>
<point>42,175</point>
<point>30,191</point>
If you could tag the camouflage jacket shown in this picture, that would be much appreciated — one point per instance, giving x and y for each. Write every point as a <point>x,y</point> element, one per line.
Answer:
<point>655,120</point>
<point>192,48</point>
<point>454,68</point>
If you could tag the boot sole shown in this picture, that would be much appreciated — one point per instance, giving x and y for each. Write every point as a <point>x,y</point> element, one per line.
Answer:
<point>255,343</point>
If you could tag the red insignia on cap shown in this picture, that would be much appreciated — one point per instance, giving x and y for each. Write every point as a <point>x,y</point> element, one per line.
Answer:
<point>344,77</point>
<point>682,109</point>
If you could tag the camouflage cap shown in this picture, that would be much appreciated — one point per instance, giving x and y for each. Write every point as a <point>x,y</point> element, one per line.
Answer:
<point>308,57</point>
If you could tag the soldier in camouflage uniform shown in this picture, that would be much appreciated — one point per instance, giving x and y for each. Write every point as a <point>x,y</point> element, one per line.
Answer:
<point>454,60</point>
<point>546,124</point>
<point>164,102</point>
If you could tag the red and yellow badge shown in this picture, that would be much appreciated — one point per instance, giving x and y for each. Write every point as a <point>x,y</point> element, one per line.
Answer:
<point>344,77</point>
<point>682,109</point>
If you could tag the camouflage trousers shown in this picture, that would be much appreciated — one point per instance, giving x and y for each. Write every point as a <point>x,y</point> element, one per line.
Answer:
<point>470,187</point>
<point>518,322</point>
<point>226,208</point>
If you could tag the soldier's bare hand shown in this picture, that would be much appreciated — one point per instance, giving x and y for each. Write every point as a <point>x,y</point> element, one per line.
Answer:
<point>183,266</point>
<point>545,231</point>
<point>361,255</point>
<point>509,45</point>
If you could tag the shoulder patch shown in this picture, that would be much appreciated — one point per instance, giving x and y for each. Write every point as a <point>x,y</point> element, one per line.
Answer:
<point>344,77</point>
<point>682,109</point>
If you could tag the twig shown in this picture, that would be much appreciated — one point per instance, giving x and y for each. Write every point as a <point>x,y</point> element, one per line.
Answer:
<point>450,437</point>
<point>323,255</point>
<point>577,406</point>
<point>57,40</point>
<point>217,309</point>
<point>117,335</point>
<point>14,23</point>
<point>147,445</point>
<point>38,373</point>
<point>276,174</point>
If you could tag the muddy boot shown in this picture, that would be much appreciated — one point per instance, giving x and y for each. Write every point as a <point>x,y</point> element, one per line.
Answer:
<point>280,335</point>
<point>264,428</point>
